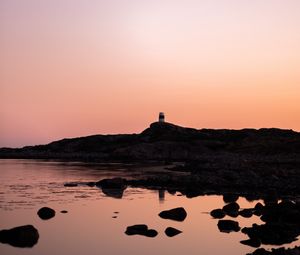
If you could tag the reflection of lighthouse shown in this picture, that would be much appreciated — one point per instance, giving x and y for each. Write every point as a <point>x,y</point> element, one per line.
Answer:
<point>161,195</point>
<point>161,117</point>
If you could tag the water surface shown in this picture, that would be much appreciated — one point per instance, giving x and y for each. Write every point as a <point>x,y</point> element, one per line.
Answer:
<point>95,223</point>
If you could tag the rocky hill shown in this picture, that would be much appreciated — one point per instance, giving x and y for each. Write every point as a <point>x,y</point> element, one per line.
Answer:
<point>168,142</point>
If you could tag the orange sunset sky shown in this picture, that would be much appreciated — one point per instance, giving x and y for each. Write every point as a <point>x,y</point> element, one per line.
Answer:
<point>72,68</point>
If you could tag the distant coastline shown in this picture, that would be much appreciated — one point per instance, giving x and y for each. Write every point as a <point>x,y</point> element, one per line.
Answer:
<point>169,142</point>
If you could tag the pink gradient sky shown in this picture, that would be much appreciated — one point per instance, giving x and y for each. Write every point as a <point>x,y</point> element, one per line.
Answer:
<point>78,67</point>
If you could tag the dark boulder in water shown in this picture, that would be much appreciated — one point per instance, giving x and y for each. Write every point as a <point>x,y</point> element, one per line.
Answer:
<point>231,209</point>
<point>246,213</point>
<point>230,198</point>
<point>114,183</point>
<point>46,213</point>
<point>140,229</point>
<point>258,209</point>
<point>228,226</point>
<point>71,184</point>
<point>170,232</point>
<point>177,214</point>
<point>113,187</point>
<point>217,214</point>
<point>23,236</point>
<point>115,193</point>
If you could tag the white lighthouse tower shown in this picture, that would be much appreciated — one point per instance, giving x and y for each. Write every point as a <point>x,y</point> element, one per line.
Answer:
<point>161,117</point>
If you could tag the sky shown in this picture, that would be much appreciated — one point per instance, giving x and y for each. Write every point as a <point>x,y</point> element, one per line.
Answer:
<point>72,68</point>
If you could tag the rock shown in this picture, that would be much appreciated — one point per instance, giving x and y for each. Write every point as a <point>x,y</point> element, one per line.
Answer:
<point>113,187</point>
<point>64,211</point>
<point>230,198</point>
<point>255,242</point>
<point>228,226</point>
<point>71,184</point>
<point>151,233</point>
<point>258,209</point>
<point>170,232</point>
<point>178,214</point>
<point>233,214</point>
<point>46,213</point>
<point>217,214</point>
<point>23,236</point>
<point>279,251</point>
<point>91,184</point>
<point>114,183</point>
<point>231,209</point>
<point>246,213</point>
<point>115,193</point>
<point>140,229</point>
<point>273,234</point>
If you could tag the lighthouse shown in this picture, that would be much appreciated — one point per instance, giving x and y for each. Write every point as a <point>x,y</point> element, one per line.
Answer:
<point>161,117</point>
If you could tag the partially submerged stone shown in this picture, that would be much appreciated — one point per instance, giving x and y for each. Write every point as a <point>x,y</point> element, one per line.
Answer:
<point>46,213</point>
<point>23,236</point>
<point>218,214</point>
<point>141,229</point>
<point>177,214</point>
<point>170,232</point>
<point>228,226</point>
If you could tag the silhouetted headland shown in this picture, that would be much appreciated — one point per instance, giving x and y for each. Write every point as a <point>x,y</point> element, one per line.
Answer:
<point>168,142</point>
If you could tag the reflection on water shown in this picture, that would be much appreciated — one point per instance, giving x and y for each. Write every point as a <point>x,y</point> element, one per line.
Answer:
<point>95,221</point>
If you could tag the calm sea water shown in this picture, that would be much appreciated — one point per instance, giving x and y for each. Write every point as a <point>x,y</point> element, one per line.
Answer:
<point>89,226</point>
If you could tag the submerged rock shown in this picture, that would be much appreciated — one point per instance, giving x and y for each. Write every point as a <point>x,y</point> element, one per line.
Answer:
<point>46,213</point>
<point>23,236</point>
<point>170,232</point>
<point>178,214</point>
<point>140,229</point>
<point>228,226</point>
<point>218,214</point>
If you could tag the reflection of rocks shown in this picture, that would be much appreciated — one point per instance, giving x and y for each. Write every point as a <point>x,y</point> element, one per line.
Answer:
<point>279,251</point>
<point>178,214</point>
<point>113,187</point>
<point>170,232</point>
<point>115,193</point>
<point>140,229</point>
<point>228,226</point>
<point>23,236</point>
<point>46,213</point>
<point>217,214</point>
